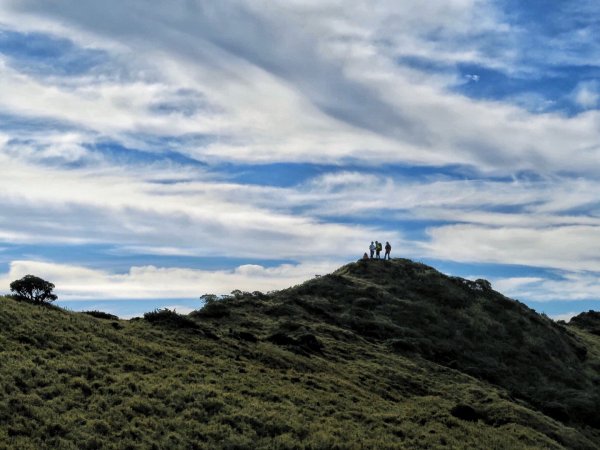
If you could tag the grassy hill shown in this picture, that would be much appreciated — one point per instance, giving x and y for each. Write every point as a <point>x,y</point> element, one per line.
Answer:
<point>380,355</point>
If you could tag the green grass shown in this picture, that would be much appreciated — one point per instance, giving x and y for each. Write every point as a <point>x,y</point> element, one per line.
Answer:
<point>220,379</point>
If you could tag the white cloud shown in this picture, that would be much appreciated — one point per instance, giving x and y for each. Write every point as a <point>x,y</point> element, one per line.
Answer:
<point>587,95</point>
<point>112,205</point>
<point>571,286</point>
<point>49,147</point>
<point>552,201</point>
<point>79,283</point>
<point>105,107</point>
<point>509,286</point>
<point>564,247</point>
<point>126,207</point>
<point>332,88</point>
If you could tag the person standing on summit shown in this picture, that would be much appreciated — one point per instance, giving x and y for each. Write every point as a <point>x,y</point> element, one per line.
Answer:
<point>377,250</point>
<point>372,249</point>
<point>388,249</point>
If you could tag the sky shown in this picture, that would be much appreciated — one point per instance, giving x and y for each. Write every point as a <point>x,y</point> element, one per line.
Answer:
<point>152,151</point>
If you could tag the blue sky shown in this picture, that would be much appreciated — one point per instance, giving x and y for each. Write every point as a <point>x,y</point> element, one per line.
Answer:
<point>153,152</point>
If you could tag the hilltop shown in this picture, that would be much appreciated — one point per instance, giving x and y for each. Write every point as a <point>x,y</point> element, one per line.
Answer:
<point>378,354</point>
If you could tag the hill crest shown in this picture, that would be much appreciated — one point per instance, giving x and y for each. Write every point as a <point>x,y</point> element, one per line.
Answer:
<point>413,309</point>
<point>401,354</point>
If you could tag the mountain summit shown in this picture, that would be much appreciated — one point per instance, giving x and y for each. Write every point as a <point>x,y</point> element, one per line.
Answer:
<point>378,354</point>
<point>415,310</point>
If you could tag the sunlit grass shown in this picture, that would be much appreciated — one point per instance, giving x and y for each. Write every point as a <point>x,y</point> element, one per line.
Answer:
<point>74,381</point>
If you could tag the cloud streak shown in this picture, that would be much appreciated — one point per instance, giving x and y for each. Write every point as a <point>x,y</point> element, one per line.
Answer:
<point>324,94</point>
<point>75,283</point>
<point>105,205</point>
<point>567,286</point>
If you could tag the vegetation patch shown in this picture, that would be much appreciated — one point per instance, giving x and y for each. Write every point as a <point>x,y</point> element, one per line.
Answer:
<point>589,321</point>
<point>101,315</point>
<point>167,317</point>
<point>380,354</point>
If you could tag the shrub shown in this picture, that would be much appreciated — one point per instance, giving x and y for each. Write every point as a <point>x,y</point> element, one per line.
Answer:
<point>589,321</point>
<point>243,336</point>
<point>465,412</point>
<point>101,315</point>
<point>209,298</point>
<point>236,293</point>
<point>214,310</point>
<point>307,343</point>
<point>169,318</point>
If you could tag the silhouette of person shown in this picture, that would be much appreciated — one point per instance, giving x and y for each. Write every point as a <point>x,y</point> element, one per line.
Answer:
<point>377,250</point>
<point>372,249</point>
<point>388,249</point>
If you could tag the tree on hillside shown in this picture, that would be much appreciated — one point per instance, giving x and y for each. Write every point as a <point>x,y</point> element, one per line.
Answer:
<point>33,289</point>
<point>209,298</point>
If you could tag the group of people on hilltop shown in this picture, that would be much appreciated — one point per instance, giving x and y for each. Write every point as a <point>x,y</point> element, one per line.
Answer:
<point>375,249</point>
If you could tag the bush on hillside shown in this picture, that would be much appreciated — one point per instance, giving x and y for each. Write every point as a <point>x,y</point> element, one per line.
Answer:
<point>589,321</point>
<point>213,310</point>
<point>169,318</point>
<point>101,315</point>
<point>304,344</point>
<point>209,298</point>
<point>33,289</point>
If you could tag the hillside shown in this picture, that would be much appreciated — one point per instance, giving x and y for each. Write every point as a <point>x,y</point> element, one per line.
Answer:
<point>375,355</point>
